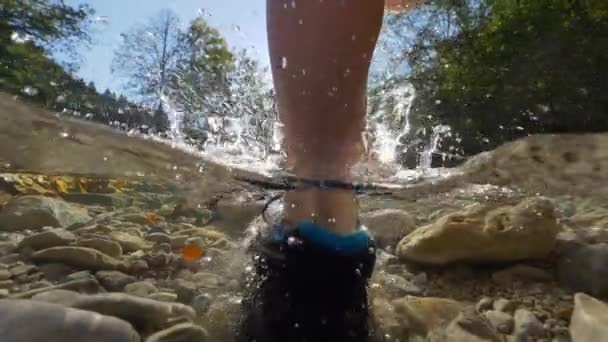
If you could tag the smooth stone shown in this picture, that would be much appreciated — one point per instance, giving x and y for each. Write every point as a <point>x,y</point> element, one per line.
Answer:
<point>201,303</point>
<point>109,247</point>
<point>470,326</point>
<point>87,258</point>
<point>589,322</point>
<point>585,269</point>
<point>484,234</point>
<point>484,304</point>
<point>208,280</point>
<point>22,269</point>
<point>79,275</point>
<point>504,305</point>
<point>6,284</point>
<point>7,247</point>
<point>185,290</point>
<point>522,273</point>
<point>138,218</point>
<point>527,326</point>
<point>208,232</point>
<point>38,321</point>
<point>130,243</point>
<point>86,285</point>
<point>141,288</point>
<point>159,238</point>
<point>5,275</point>
<point>114,280</point>
<point>426,314</point>
<point>164,297</point>
<point>35,212</point>
<point>58,296</point>
<point>48,239</point>
<point>503,322</point>
<point>388,226</point>
<point>107,200</point>
<point>185,332</point>
<point>55,271</point>
<point>4,293</point>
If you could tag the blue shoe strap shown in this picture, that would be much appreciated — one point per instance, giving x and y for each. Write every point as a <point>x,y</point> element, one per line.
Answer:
<point>351,244</point>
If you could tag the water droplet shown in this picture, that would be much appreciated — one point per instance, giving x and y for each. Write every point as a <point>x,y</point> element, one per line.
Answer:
<point>64,134</point>
<point>301,21</point>
<point>31,91</point>
<point>357,272</point>
<point>371,250</point>
<point>353,37</point>
<point>293,3</point>
<point>296,325</point>
<point>236,28</point>
<point>293,205</point>
<point>284,62</point>
<point>105,158</point>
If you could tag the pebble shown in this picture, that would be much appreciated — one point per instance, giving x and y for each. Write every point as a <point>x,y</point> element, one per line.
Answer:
<point>527,326</point>
<point>109,247</point>
<point>5,275</point>
<point>141,288</point>
<point>484,304</point>
<point>164,296</point>
<point>502,321</point>
<point>114,280</point>
<point>201,303</point>
<point>504,305</point>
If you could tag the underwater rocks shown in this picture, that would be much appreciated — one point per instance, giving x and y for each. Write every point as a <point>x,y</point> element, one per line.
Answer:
<point>26,320</point>
<point>585,269</point>
<point>35,212</point>
<point>483,235</point>
<point>388,226</point>
<point>87,258</point>
<point>589,319</point>
<point>47,239</point>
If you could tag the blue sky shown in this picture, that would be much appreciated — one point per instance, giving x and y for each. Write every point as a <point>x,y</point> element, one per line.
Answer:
<point>225,15</point>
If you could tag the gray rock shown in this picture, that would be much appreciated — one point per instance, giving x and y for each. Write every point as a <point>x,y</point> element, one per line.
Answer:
<point>114,280</point>
<point>109,247</point>
<point>484,304</point>
<point>48,239</point>
<point>527,326</point>
<point>523,273</point>
<point>162,248</point>
<point>59,296</point>
<point>55,271</point>
<point>185,332</point>
<point>201,303</point>
<point>586,269</point>
<point>5,275</point>
<point>108,200</point>
<point>589,322</point>
<point>141,288</point>
<point>35,212</point>
<point>37,321</point>
<point>504,305</point>
<point>87,258</point>
<point>388,225</point>
<point>208,280</point>
<point>468,326</point>
<point>86,285</point>
<point>185,290</point>
<point>503,322</point>
<point>79,275</point>
<point>159,238</point>
<point>7,247</point>
<point>130,243</point>
<point>164,297</point>
<point>22,270</point>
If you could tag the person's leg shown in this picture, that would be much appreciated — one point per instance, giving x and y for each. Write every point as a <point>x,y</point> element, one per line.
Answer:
<point>320,52</point>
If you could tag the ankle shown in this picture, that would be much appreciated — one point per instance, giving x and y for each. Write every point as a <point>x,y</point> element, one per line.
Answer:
<point>334,210</point>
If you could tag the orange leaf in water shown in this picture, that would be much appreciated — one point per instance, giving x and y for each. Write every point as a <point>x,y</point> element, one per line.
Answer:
<point>192,252</point>
<point>152,218</point>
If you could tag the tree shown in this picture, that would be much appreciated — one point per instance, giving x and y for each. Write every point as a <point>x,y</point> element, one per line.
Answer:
<point>147,57</point>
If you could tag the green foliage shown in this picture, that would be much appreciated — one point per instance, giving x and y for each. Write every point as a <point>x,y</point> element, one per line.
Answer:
<point>496,70</point>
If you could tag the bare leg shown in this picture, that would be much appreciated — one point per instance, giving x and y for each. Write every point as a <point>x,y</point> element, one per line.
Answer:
<point>320,53</point>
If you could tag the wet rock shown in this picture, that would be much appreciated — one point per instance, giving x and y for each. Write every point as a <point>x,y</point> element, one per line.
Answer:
<point>138,218</point>
<point>114,280</point>
<point>146,315</point>
<point>222,318</point>
<point>130,243</point>
<point>388,225</point>
<point>525,231</point>
<point>201,303</point>
<point>426,314</point>
<point>237,213</point>
<point>589,320</point>
<point>86,285</point>
<point>48,239</point>
<point>137,266</point>
<point>141,288</point>
<point>4,293</point>
<point>209,232</point>
<point>5,275</point>
<point>160,259</point>
<point>7,247</point>
<point>55,271</point>
<point>35,212</point>
<point>387,322</point>
<point>395,286</point>
<point>185,290</point>
<point>484,304</point>
<point>185,332</point>
<point>503,322</point>
<point>162,248</point>
<point>87,258</point>
<point>109,247</point>
<point>158,238</point>
<point>164,297</point>
<point>504,305</point>
<point>79,275</point>
<point>108,200</point>
<point>38,321</point>
<point>585,269</point>
<point>523,273</point>
<point>527,326</point>
<point>208,280</point>
<point>469,326</point>
<point>22,270</point>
